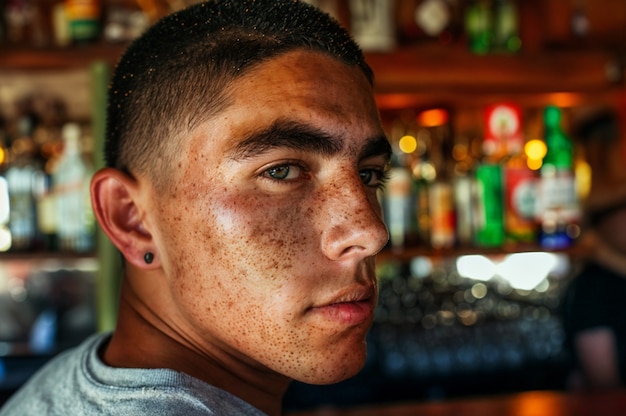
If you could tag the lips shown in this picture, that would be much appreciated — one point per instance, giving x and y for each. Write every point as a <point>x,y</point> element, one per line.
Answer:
<point>351,308</point>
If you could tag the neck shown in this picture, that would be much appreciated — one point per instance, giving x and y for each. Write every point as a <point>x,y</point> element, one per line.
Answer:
<point>144,338</point>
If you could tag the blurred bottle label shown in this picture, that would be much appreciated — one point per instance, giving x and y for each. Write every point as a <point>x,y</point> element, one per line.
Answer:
<point>398,205</point>
<point>521,201</point>
<point>432,16</point>
<point>464,201</point>
<point>443,221</point>
<point>84,19</point>
<point>373,25</point>
<point>490,206</point>
<point>503,130</point>
<point>558,195</point>
<point>423,212</point>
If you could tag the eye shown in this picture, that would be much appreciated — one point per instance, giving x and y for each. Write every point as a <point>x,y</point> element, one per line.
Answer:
<point>373,177</point>
<point>284,172</point>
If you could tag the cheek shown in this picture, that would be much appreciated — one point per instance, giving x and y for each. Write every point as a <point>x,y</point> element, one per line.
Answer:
<point>244,275</point>
<point>255,245</point>
<point>260,233</point>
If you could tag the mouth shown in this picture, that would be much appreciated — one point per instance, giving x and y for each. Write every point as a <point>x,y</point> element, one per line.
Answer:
<point>349,309</point>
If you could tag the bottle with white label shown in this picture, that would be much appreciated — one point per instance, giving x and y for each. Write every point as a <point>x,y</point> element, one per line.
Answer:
<point>372,24</point>
<point>70,180</point>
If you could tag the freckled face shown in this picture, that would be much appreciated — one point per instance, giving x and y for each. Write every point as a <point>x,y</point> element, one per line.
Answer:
<point>268,236</point>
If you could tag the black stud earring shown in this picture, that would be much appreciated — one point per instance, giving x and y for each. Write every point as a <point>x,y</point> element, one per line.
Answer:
<point>148,257</point>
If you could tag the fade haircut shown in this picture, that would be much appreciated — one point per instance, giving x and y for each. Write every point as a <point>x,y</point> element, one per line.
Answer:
<point>176,75</point>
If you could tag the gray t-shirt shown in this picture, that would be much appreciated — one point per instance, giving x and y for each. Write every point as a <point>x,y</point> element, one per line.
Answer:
<point>78,383</point>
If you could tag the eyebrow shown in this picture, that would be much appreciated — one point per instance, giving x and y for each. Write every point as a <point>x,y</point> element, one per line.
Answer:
<point>294,135</point>
<point>377,146</point>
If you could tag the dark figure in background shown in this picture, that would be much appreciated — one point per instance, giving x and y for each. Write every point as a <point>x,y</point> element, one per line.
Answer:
<point>594,306</point>
<point>245,153</point>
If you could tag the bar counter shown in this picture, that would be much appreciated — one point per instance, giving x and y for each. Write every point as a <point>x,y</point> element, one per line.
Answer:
<point>533,403</point>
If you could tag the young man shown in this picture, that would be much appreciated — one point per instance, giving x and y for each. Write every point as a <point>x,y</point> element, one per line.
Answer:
<point>244,154</point>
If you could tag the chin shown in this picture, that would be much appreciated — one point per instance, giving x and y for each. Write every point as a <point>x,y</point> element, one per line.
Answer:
<point>336,376</point>
<point>343,366</point>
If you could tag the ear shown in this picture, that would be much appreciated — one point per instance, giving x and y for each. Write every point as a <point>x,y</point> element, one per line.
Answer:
<point>115,198</point>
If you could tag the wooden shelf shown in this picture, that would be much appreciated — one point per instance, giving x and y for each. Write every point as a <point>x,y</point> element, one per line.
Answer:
<point>421,69</point>
<point>44,256</point>
<point>429,73</point>
<point>15,57</point>
<point>426,68</point>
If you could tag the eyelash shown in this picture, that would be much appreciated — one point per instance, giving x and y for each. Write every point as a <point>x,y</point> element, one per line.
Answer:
<point>383,177</point>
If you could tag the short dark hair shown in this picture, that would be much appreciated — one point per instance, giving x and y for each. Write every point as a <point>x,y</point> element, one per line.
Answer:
<point>176,74</point>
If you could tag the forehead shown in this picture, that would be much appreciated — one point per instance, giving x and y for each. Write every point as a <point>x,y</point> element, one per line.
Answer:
<point>301,86</point>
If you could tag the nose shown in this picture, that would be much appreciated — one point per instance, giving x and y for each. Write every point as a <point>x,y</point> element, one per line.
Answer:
<point>352,225</point>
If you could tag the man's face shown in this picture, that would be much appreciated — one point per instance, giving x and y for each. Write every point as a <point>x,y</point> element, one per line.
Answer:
<point>268,235</point>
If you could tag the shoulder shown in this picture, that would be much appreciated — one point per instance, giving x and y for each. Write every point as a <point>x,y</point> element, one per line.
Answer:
<point>54,383</point>
<point>80,381</point>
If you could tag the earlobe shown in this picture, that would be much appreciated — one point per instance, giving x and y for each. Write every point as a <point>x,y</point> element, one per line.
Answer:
<point>117,205</point>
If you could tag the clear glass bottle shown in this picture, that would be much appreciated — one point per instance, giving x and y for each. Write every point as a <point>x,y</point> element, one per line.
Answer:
<point>70,181</point>
<point>20,178</point>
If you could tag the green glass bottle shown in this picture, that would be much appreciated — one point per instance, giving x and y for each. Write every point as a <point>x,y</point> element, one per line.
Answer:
<point>506,27</point>
<point>490,205</point>
<point>558,200</point>
<point>479,26</point>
